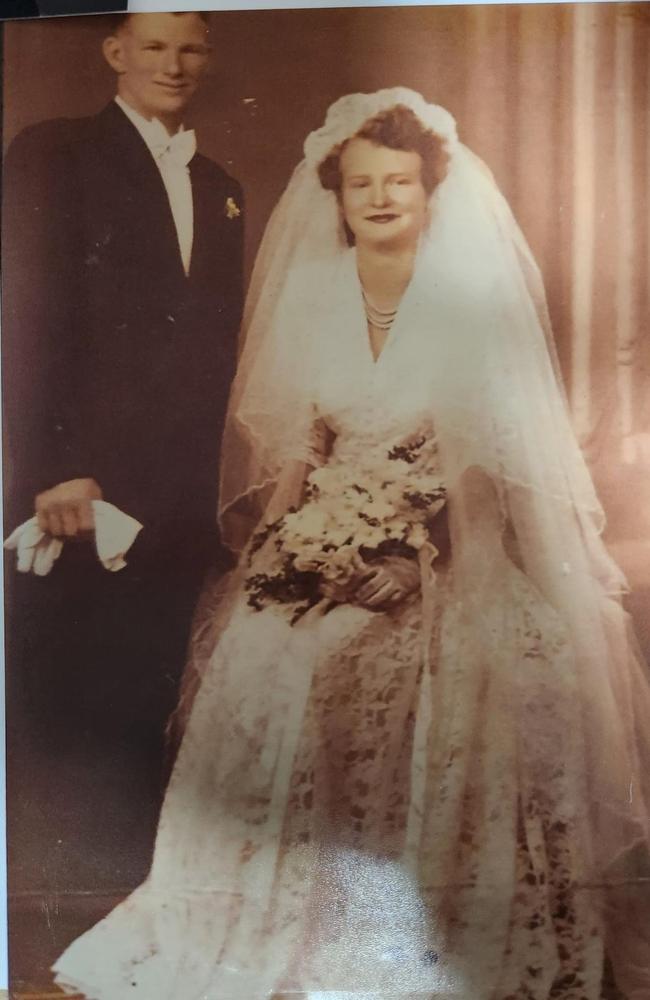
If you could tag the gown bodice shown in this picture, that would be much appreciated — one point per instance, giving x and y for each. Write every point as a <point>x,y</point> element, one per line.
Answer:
<point>369,406</point>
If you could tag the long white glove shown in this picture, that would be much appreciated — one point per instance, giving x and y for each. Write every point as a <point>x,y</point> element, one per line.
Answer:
<point>37,551</point>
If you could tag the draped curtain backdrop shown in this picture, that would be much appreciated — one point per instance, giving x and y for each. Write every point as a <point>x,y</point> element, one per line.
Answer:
<point>555,98</point>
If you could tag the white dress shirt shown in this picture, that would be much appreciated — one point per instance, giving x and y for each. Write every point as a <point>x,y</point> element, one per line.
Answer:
<point>172,155</point>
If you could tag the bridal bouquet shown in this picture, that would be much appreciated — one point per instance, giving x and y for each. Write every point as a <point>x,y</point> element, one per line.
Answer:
<point>383,511</point>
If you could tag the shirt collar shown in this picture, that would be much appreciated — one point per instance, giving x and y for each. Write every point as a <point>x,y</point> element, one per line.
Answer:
<point>152,131</point>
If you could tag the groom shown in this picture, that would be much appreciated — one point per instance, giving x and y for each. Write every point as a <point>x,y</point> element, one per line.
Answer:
<point>122,291</point>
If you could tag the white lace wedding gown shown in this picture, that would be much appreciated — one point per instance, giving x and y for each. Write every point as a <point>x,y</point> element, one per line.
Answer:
<point>341,821</point>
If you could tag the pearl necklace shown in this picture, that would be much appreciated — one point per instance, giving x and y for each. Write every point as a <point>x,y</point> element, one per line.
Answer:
<point>380,319</point>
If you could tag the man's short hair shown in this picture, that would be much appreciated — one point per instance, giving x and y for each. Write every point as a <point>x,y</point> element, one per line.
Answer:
<point>117,21</point>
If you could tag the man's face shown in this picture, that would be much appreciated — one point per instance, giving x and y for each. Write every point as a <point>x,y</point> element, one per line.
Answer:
<point>160,59</point>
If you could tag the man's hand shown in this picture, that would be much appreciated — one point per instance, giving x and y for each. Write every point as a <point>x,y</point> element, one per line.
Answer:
<point>66,510</point>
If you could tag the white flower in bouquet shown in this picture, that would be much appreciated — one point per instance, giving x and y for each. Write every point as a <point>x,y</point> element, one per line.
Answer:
<point>369,536</point>
<point>321,478</point>
<point>353,499</point>
<point>379,510</point>
<point>417,536</point>
<point>392,493</point>
<point>338,537</point>
<point>340,567</point>
<point>308,522</point>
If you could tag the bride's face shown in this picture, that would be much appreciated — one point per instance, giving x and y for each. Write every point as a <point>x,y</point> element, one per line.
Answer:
<point>382,196</point>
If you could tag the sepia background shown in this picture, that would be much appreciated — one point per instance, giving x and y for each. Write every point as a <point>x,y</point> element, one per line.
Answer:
<point>556,100</point>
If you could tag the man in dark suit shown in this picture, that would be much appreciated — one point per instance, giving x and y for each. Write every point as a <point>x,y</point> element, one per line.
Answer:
<point>122,260</point>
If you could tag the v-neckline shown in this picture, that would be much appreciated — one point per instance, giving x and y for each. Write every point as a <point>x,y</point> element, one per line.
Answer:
<point>375,358</point>
<point>375,362</point>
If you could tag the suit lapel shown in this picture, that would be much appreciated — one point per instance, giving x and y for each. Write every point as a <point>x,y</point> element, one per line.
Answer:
<point>202,222</point>
<point>212,246</point>
<point>134,173</point>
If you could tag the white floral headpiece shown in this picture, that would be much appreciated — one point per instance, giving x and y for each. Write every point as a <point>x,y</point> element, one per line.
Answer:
<point>347,116</point>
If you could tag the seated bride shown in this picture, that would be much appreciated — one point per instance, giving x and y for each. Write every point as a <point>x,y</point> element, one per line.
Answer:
<point>415,758</point>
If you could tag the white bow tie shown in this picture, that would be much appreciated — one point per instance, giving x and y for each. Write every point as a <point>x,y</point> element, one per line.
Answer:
<point>177,149</point>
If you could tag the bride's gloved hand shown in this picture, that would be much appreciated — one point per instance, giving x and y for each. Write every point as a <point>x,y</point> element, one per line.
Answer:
<point>343,591</point>
<point>387,582</point>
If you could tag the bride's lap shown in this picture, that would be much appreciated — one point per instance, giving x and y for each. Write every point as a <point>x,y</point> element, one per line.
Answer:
<point>253,640</point>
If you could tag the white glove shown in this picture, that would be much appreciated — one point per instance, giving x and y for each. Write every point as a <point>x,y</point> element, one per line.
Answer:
<point>37,551</point>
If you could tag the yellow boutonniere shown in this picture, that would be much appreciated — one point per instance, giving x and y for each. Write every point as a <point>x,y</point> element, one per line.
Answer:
<point>232,208</point>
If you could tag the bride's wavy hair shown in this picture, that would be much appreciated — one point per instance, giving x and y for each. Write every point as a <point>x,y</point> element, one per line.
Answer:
<point>396,128</point>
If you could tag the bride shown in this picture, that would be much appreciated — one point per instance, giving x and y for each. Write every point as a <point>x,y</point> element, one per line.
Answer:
<point>415,758</point>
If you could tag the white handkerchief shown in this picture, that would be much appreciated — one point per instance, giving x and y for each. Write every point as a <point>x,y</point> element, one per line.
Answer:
<point>37,551</point>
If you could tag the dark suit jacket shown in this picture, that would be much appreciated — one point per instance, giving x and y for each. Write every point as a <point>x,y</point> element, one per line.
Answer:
<point>115,364</point>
